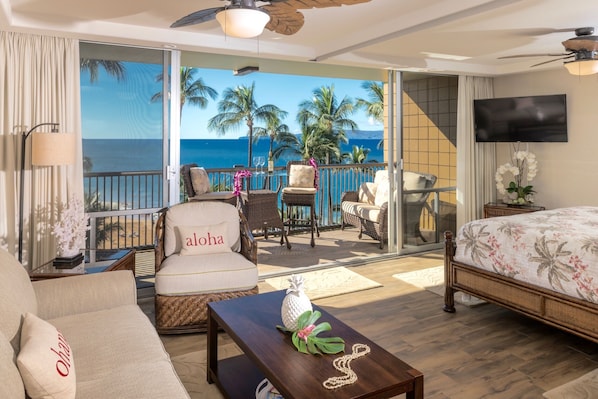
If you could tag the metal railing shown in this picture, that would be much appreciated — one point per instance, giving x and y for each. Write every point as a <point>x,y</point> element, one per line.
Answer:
<point>123,206</point>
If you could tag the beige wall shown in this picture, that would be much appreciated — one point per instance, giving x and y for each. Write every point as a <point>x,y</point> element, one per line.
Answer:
<point>568,172</point>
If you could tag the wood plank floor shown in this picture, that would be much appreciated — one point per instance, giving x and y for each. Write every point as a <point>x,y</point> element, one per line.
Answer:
<point>481,352</point>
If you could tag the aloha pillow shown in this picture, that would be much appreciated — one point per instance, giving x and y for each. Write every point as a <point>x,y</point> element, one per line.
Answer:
<point>200,180</point>
<point>45,361</point>
<point>302,176</point>
<point>201,240</point>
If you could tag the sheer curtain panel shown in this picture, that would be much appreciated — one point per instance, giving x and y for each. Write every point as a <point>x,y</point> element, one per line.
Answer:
<point>40,79</point>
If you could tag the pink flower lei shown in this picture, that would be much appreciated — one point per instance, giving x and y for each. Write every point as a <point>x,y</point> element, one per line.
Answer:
<point>238,183</point>
<point>314,164</point>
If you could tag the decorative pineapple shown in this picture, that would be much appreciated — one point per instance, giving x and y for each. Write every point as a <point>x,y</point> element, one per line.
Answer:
<point>295,303</point>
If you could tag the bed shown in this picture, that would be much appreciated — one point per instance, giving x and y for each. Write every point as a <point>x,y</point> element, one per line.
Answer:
<point>542,264</point>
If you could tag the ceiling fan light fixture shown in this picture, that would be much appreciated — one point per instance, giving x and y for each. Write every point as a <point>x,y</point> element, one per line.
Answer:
<point>582,67</point>
<point>242,22</point>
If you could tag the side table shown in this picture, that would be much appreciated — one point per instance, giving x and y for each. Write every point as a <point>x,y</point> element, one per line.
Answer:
<point>494,209</point>
<point>96,261</point>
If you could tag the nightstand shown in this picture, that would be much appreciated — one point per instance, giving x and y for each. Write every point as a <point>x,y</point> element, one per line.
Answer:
<point>494,209</point>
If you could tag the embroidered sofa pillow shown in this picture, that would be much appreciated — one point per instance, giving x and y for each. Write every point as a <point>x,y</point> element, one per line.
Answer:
<point>45,360</point>
<point>201,240</point>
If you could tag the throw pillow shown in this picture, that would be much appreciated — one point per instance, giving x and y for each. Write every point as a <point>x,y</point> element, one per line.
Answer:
<point>367,192</point>
<point>381,196</point>
<point>302,176</point>
<point>201,240</point>
<point>45,361</point>
<point>200,180</point>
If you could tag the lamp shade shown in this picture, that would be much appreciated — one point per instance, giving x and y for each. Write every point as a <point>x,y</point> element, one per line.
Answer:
<point>582,67</point>
<point>242,22</point>
<point>48,149</point>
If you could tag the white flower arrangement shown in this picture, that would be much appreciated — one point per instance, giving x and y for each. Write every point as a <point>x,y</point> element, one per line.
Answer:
<point>518,191</point>
<point>71,227</point>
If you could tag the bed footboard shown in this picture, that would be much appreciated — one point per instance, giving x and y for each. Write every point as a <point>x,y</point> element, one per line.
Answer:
<point>555,309</point>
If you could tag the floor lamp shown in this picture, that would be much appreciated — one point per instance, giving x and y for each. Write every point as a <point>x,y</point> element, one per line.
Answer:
<point>47,149</point>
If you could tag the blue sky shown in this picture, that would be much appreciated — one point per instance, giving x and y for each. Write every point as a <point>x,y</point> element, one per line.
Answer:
<point>112,109</point>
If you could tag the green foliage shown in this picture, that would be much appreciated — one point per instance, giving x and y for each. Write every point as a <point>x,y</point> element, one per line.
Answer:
<point>305,337</point>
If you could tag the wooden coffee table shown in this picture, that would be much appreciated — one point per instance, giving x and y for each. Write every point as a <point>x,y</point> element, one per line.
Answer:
<point>251,322</point>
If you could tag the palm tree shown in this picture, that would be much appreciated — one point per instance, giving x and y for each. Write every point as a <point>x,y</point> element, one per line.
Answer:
<point>330,117</point>
<point>193,90</point>
<point>113,68</point>
<point>374,106</point>
<point>238,105</point>
<point>274,128</point>
<point>358,154</point>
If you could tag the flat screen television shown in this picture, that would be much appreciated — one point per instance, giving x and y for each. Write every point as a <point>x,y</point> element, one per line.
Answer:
<point>525,119</point>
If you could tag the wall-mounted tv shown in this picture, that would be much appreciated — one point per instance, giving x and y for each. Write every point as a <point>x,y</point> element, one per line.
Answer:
<point>525,119</point>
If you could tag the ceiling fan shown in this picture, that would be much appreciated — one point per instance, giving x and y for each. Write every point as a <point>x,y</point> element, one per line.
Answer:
<point>280,16</point>
<point>581,50</point>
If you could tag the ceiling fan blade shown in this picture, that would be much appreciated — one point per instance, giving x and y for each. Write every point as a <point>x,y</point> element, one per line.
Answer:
<point>198,17</point>
<point>549,61</point>
<point>283,19</point>
<point>533,55</point>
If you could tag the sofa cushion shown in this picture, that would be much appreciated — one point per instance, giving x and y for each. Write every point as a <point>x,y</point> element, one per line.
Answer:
<point>201,240</point>
<point>46,361</point>
<point>200,180</point>
<point>302,176</point>
<point>16,297</point>
<point>369,212</point>
<point>367,192</point>
<point>12,384</point>
<point>119,355</point>
<point>413,181</point>
<point>299,190</point>
<point>199,213</point>
<point>222,272</point>
<point>382,191</point>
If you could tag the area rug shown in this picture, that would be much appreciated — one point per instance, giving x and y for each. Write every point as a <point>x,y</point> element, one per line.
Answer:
<point>432,279</point>
<point>584,387</point>
<point>327,282</point>
<point>192,368</point>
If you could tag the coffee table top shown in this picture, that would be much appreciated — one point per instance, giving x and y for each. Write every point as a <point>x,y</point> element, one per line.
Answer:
<point>96,261</point>
<point>251,322</point>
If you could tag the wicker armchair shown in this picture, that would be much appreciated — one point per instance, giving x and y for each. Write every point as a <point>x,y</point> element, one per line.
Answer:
<point>192,195</point>
<point>186,281</point>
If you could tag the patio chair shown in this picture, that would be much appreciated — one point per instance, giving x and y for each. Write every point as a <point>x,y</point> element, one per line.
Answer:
<point>204,252</point>
<point>198,188</point>
<point>300,193</point>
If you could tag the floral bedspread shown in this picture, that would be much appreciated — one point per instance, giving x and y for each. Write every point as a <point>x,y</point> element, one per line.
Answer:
<point>555,249</point>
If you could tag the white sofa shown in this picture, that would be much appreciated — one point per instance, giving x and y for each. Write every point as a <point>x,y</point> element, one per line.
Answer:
<point>367,208</point>
<point>82,336</point>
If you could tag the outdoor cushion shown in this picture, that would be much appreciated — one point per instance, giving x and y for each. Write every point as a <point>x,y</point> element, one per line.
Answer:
<point>369,212</point>
<point>200,180</point>
<point>299,190</point>
<point>413,181</point>
<point>221,272</point>
<point>367,192</point>
<point>302,176</point>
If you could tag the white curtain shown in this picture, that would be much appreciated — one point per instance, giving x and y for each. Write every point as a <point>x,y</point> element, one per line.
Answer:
<point>40,79</point>
<point>476,162</point>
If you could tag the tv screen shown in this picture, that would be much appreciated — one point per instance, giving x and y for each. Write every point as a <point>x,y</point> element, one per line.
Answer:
<point>526,119</point>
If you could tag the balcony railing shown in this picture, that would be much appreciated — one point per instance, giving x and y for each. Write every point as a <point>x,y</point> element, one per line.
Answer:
<point>123,206</point>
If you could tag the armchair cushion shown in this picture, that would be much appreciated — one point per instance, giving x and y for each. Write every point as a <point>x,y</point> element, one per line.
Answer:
<point>414,181</point>
<point>218,272</point>
<point>199,213</point>
<point>200,180</point>
<point>46,360</point>
<point>201,240</point>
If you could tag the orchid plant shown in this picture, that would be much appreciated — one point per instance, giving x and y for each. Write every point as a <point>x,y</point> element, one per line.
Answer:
<point>523,169</point>
<point>305,337</point>
<point>238,181</point>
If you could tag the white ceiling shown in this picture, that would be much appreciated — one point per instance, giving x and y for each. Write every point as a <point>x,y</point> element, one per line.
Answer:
<point>379,34</point>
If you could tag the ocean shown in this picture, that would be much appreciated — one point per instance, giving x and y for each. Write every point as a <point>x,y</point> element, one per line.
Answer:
<point>133,155</point>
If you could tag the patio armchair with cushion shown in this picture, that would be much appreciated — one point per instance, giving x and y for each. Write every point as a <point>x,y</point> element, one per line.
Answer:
<point>198,188</point>
<point>204,252</point>
<point>367,208</point>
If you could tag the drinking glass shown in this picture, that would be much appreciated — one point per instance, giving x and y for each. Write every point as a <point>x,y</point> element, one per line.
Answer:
<point>261,162</point>
<point>256,161</point>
